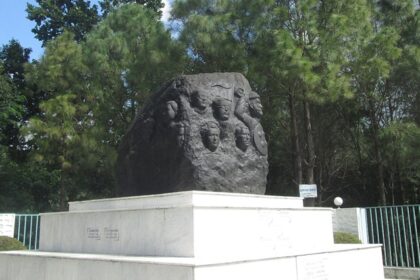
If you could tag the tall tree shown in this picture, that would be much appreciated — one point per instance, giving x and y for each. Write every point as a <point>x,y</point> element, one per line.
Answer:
<point>13,58</point>
<point>94,89</point>
<point>129,55</point>
<point>108,5</point>
<point>11,108</point>
<point>53,17</point>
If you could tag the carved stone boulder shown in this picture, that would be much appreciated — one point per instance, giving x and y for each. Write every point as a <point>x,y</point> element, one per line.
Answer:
<point>198,132</point>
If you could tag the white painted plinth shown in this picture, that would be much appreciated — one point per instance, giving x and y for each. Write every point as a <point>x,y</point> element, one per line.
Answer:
<point>192,236</point>
<point>339,263</point>
<point>188,198</point>
<point>188,224</point>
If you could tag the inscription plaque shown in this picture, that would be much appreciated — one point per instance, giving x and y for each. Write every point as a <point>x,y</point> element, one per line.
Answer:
<point>7,225</point>
<point>313,268</point>
<point>93,233</point>
<point>112,233</point>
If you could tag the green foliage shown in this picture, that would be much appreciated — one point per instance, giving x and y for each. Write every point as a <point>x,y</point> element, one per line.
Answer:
<point>127,60</point>
<point>339,81</point>
<point>12,92</point>
<point>13,58</point>
<point>345,238</point>
<point>26,187</point>
<point>10,244</point>
<point>11,107</point>
<point>94,89</point>
<point>339,62</point>
<point>53,17</point>
<point>108,5</point>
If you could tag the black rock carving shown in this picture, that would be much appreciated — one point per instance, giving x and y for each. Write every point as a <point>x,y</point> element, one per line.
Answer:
<point>243,137</point>
<point>255,106</point>
<point>210,134</point>
<point>222,109</point>
<point>200,101</point>
<point>198,132</point>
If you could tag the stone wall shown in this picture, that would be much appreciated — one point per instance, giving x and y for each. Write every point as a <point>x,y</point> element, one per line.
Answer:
<point>351,220</point>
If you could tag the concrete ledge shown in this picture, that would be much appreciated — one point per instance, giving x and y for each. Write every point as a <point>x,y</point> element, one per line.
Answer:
<point>188,198</point>
<point>187,224</point>
<point>366,263</point>
<point>402,273</point>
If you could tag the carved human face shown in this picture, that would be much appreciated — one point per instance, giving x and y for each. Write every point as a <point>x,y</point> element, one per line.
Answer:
<point>256,107</point>
<point>222,110</point>
<point>200,100</point>
<point>180,136</point>
<point>169,110</point>
<point>243,139</point>
<point>212,139</point>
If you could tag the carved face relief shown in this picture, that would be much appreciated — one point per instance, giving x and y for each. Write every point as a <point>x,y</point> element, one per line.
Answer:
<point>243,138</point>
<point>222,108</point>
<point>169,111</point>
<point>211,136</point>
<point>181,134</point>
<point>255,106</point>
<point>239,92</point>
<point>200,100</point>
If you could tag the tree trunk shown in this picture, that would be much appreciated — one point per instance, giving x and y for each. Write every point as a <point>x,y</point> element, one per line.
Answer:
<point>378,154</point>
<point>310,160</point>
<point>294,136</point>
<point>62,194</point>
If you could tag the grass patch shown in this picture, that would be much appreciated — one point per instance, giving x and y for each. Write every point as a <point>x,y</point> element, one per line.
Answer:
<point>10,244</point>
<point>346,238</point>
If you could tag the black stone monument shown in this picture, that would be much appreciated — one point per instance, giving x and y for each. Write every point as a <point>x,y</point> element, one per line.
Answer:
<point>198,132</point>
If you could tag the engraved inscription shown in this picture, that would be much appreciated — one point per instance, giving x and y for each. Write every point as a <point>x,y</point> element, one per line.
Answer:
<point>93,233</point>
<point>313,268</point>
<point>112,233</point>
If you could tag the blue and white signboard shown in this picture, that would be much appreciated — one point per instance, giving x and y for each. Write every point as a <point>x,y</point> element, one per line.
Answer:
<point>7,225</point>
<point>307,191</point>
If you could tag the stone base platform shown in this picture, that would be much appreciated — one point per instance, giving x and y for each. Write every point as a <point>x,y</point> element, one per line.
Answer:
<point>192,235</point>
<point>187,224</point>
<point>341,262</point>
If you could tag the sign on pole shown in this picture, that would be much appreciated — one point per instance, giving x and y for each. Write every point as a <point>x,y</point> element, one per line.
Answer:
<point>7,225</point>
<point>307,191</point>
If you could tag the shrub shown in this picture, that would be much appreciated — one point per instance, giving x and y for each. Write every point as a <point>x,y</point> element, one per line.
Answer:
<point>345,238</point>
<point>10,244</point>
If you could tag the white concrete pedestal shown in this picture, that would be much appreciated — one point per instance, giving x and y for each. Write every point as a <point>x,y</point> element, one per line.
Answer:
<point>192,235</point>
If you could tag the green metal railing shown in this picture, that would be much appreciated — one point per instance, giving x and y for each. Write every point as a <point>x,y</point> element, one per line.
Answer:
<point>27,230</point>
<point>398,229</point>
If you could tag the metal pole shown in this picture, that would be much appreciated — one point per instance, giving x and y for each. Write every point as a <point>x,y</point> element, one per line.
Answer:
<point>30,233</point>
<point>410,235</point>
<point>405,237</point>
<point>18,234</point>
<point>376,224</point>
<point>372,240</point>
<point>416,234</point>
<point>36,232</point>
<point>393,237</point>
<point>24,231</point>
<point>399,237</point>
<point>383,233</point>
<point>389,238</point>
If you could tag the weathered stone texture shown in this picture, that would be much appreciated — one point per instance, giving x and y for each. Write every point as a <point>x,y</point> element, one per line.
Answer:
<point>199,132</point>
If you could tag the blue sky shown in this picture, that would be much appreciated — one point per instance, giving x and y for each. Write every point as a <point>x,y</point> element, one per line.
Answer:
<point>15,25</point>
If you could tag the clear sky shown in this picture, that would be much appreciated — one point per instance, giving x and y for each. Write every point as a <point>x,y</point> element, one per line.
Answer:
<point>15,25</point>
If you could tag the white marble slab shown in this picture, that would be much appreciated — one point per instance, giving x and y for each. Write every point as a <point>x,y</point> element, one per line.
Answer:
<point>347,262</point>
<point>188,198</point>
<point>188,231</point>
